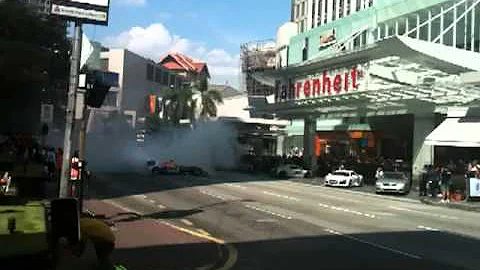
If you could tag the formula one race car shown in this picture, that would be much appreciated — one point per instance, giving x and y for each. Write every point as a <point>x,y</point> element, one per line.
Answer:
<point>171,167</point>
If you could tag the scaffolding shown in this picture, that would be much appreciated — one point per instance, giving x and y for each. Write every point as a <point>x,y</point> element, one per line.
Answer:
<point>257,56</point>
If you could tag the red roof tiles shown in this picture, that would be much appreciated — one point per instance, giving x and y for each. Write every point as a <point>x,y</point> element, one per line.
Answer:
<point>180,62</point>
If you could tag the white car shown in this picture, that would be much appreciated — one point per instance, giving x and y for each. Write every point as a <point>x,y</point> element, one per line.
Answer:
<point>344,178</point>
<point>290,171</point>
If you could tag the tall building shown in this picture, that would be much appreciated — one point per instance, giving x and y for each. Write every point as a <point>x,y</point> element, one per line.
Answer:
<point>309,14</point>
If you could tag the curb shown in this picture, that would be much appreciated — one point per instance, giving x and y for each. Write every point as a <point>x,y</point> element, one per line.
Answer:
<point>451,206</point>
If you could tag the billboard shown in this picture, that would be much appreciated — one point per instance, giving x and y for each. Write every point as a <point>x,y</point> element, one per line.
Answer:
<point>84,11</point>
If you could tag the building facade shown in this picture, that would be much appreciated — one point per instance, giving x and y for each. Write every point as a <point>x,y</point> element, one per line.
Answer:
<point>139,78</point>
<point>381,78</point>
<point>309,14</point>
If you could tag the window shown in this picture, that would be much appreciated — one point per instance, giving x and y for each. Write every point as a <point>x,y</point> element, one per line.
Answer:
<point>359,3</point>
<point>297,9</point>
<point>172,79</point>
<point>104,64</point>
<point>305,50</point>
<point>334,9</point>
<point>150,72</point>
<point>341,8</point>
<point>303,9</point>
<point>165,79</point>
<point>158,75</point>
<point>313,14</point>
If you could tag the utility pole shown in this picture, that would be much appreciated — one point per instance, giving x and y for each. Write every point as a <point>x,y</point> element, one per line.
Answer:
<point>81,150</point>
<point>72,90</point>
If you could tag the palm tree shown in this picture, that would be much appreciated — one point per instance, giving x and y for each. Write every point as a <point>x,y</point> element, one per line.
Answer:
<point>209,99</point>
<point>177,104</point>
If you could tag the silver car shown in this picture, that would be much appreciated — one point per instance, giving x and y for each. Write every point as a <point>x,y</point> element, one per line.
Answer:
<point>393,182</point>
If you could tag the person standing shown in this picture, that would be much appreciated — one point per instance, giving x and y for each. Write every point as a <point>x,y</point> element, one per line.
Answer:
<point>51,160</point>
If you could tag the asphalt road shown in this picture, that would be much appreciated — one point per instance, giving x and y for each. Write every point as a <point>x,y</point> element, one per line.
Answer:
<point>291,225</point>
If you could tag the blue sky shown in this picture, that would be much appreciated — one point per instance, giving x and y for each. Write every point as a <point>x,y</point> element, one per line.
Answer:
<point>209,30</point>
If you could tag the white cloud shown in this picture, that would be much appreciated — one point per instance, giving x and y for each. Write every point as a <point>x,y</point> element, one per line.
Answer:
<point>155,40</point>
<point>132,2</point>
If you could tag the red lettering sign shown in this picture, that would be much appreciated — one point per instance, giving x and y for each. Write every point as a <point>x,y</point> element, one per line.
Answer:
<point>337,83</point>
<point>340,82</point>
<point>306,88</point>
<point>316,87</point>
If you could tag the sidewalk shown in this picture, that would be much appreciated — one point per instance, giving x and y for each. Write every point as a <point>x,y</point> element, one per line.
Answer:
<point>152,244</point>
<point>473,206</point>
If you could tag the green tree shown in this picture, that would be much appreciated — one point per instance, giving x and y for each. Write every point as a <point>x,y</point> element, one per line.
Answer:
<point>33,60</point>
<point>209,99</point>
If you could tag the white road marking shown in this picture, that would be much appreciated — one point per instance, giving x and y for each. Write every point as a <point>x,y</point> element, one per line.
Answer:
<point>151,201</point>
<point>236,186</point>
<point>268,212</point>
<point>422,213</point>
<point>186,222</point>
<point>428,228</point>
<point>140,196</point>
<point>374,244</point>
<point>123,208</point>
<point>218,196</point>
<point>161,206</point>
<point>266,220</point>
<point>346,210</point>
<point>281,196</point>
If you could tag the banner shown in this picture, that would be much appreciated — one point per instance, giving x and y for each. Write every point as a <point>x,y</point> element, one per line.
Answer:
<point>474,187</point>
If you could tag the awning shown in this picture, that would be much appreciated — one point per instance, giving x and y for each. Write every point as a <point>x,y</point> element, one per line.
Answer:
<point>457,132</point>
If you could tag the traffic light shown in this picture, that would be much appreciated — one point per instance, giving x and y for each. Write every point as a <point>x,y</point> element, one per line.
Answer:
<point>98,84</point>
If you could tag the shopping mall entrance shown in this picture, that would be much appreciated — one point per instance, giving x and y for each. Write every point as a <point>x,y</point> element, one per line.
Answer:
<point>368,140</point>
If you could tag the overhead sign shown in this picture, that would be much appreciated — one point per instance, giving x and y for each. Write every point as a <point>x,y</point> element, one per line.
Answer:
<point>84,11</point>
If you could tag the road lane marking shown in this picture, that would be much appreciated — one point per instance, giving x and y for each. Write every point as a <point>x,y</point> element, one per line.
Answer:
<point>186,222</point>
<point>281,196</point>
<point>218,196</point>
<point>353,238</point>
<point>140,196</point>
<point>422,213</point>
<point>267,212</point>
<point>193,233</point>
<point>161,206</point>
<point>428,228</point>
<point>266,220</point>
<point>346,210</point>
<point>236,186</point>
<point>151,201</point>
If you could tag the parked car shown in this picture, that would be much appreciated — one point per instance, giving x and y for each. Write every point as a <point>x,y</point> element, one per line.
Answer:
<point>393,182</point>
<point>290,171</point>
<point>344,178</point>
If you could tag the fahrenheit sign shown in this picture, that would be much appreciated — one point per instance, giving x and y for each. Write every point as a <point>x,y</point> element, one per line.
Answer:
<point>326,83</point>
